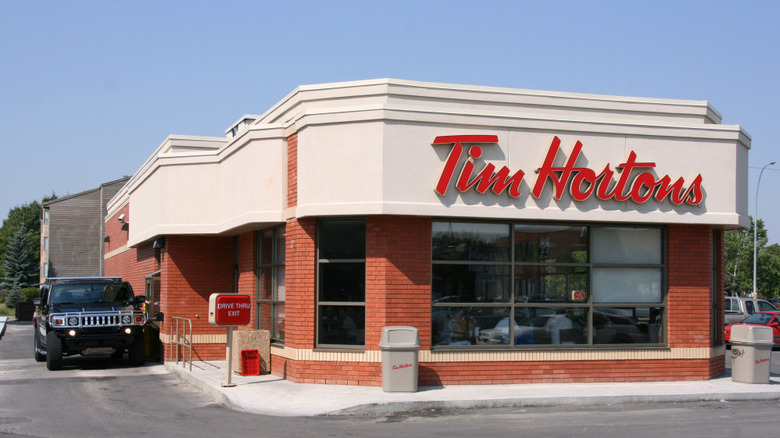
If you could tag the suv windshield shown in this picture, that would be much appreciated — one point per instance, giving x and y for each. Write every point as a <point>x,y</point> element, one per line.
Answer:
<point>92,293</point>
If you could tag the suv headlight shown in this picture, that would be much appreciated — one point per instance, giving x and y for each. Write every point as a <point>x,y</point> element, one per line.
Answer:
<point>73,321</point>
<point>127,319</point>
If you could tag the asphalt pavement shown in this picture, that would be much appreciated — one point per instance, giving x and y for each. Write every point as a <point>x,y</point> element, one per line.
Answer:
<point>272,395</point>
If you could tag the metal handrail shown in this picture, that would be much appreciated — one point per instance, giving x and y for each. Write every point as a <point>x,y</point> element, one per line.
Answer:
<point>181,337</point>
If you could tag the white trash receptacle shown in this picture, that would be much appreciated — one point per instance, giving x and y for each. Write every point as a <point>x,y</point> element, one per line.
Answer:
<point>400,346</point>
<point>751,353</point>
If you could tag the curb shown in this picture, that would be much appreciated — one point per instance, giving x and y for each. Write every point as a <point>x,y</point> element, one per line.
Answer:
<point>209,390</point>
<point>391,407</point>
<point>401,407</point>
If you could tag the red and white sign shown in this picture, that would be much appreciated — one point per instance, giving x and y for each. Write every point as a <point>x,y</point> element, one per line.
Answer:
<point>631,180</point>
<point>230,309</point>
<point>578,295</point>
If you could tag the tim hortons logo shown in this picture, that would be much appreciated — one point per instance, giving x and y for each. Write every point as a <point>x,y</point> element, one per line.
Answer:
<point>632,180</point>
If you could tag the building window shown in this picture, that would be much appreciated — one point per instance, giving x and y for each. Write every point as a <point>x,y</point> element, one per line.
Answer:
<point>270,281</point>
<point>341,283</point>
<point>46,243</point>
<point>556,284</point>
<point>45,216</point>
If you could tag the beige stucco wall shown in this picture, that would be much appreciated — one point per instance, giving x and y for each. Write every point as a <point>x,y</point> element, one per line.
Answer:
<point>366,148</point>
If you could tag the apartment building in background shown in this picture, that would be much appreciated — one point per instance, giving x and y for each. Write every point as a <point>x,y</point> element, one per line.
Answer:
<point>72,232</point>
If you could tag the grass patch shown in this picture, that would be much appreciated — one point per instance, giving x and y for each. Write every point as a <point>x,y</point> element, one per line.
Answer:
<point>5,311</point>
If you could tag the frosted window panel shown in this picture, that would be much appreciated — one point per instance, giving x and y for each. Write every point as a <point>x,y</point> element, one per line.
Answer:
<point>626,245</point>
<point>626,285</point>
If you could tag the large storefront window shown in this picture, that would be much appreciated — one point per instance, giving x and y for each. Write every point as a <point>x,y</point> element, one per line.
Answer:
<point>341,283</point>
<point>270,281</point>
<point>556,284</point>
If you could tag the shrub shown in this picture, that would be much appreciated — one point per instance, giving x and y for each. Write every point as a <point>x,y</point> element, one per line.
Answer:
<point>30,293</point>
<point>13,298</point>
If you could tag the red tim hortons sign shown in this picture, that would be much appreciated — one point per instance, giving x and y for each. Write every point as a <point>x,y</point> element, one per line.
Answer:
<point>632,180</point>
<point>229,309</point>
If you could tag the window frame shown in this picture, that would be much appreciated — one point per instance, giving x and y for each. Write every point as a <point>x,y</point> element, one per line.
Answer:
<point>319,262</point>
<point>276,263</point>
<point>589,304</point>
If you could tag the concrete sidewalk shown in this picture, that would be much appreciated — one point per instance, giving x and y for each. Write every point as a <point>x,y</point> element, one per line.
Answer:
<point>3,321</point>
<point>272,395</point>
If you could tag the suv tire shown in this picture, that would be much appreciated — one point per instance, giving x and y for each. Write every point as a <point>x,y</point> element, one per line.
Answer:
<point>39,357</point>
<point>137,352</point>
<point>53,351</point>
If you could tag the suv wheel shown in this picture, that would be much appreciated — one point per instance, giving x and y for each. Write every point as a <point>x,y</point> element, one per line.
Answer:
<point>39,357</point>
<point>53,351</point>
<point>137,351</point>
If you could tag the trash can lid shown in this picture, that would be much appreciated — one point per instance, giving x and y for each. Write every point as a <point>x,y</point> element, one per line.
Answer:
<point>752,334</point>
<point>400,337</point>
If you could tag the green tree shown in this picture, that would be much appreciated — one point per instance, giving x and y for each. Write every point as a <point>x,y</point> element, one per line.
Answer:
<point>19,264</point>
<point>768,278</point>
<point>738,250</point>
<point>28,216</point>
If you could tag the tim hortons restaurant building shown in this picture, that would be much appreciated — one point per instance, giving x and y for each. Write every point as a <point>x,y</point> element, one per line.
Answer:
<point>529,236</point>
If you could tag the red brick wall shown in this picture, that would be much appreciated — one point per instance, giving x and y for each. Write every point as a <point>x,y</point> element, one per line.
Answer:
<point>300,280</point>
<point>193,269</point>
<point>334,373</point>
<point>247,278</point>
<point>478,373</point>
<point>292,170</point>
<point>398,275</point>
<point>398,293</point>
<point>132,265</point>
<point>689,280</point>
<point>117,236</point>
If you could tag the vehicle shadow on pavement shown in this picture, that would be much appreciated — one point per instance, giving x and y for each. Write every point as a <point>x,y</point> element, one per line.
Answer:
<point>16,322</point>
<point>100,362</point>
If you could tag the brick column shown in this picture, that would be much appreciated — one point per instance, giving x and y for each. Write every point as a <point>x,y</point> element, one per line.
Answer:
<point>300,280</point>
<point>689,277</point>
<point>398,275</point>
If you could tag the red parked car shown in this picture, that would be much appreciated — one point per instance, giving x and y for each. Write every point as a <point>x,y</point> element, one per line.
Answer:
<point>766,319</point>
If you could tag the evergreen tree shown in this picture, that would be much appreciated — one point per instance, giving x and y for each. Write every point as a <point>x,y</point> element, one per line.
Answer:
<point>29,216</point>
<point>19,264</point>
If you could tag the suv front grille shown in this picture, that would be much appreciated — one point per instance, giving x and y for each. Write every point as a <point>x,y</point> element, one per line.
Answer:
<point>97,319</point>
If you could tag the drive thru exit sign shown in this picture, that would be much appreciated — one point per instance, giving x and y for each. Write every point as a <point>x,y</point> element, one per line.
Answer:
<point>229,309</point>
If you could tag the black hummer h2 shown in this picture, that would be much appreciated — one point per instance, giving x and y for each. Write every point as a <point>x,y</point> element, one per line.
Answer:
<point>90,315</point>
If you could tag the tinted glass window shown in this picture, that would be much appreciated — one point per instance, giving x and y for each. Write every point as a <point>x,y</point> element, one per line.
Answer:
<point>551,244</point>
<point>623,245</point>
<point>342,240</point>
<point>559,283</point>
<point>470,241</point>
<point>341,282</point>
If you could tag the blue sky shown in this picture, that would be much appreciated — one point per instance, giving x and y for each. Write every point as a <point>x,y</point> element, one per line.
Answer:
<point>89,89</point>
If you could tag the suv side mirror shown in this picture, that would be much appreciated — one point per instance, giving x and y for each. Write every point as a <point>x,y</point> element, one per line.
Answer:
<point>37,302</point>
<point>139,299</point>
